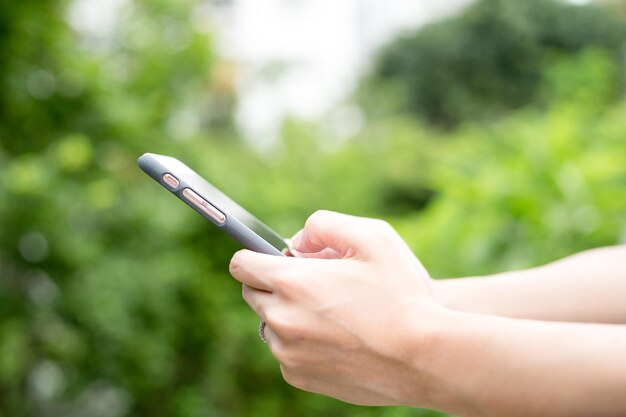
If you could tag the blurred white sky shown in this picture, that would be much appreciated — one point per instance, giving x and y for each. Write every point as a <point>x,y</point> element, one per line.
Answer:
<point>302,57</point>
<point>292,57</point>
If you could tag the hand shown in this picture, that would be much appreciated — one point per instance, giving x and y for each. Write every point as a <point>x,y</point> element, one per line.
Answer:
<point>342,315</point>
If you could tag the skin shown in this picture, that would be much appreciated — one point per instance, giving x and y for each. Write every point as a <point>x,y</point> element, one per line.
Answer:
<point>354,315</point>
<point>586,287</point>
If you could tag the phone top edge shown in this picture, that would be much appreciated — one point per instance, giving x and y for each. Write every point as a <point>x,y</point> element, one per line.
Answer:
<point>146,163</point>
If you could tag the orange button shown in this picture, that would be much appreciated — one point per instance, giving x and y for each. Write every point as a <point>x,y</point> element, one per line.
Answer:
<point>204,205</point>
<point>193,197</point>
<point>217,215</point>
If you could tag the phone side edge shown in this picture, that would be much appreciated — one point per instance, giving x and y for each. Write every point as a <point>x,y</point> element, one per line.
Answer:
<point>233,227</point>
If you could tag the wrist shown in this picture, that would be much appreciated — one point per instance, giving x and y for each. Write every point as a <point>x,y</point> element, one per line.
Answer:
<point>449,293</point>
<point>435,345</point>
<point>470,294</point>
<point>424,385</point>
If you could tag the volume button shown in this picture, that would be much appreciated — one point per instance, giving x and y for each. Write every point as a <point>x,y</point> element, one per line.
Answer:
<point>204,205</point>
<point>217,215</point>
<point>193,197</point>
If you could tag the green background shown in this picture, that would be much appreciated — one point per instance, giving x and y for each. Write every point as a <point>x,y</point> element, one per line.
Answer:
<point>492,141</point>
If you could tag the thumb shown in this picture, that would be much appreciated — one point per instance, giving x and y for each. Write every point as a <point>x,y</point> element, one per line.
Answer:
<point>346,235</point>
<point>326,253</point>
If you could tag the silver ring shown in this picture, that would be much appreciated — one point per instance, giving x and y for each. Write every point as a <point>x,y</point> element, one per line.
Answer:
<point>262,325</point>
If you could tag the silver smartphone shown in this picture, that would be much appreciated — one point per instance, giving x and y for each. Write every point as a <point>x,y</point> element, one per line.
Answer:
<point>211,203</point>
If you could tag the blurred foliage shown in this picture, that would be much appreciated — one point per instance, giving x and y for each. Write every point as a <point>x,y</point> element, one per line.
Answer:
<point>115,299</point>
<point>490,59</point>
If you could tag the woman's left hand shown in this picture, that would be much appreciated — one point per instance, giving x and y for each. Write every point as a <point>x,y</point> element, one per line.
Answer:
<point>349,314</point>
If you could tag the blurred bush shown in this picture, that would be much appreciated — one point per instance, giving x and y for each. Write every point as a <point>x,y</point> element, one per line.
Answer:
<point>115,299</point>
<point>490,59</point>
<point>531,188</point>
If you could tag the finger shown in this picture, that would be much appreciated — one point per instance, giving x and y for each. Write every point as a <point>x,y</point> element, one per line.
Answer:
<point>275,274</point>
<point>347,235</point>
<point>255,269</point>
<point>296,236</point>
<point>257,300</point>
<point>307,381</point>
<point>326,253</point>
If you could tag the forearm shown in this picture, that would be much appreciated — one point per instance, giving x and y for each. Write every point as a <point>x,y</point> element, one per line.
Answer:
<point>588,287</point>
<point>477,365</point>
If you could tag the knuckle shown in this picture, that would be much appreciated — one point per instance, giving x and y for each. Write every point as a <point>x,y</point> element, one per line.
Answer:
<point>289,288</point>
<point>285,284</point>
<point>283,326</point>
<point>278,323</point>
<point>294,379</point>
<point>285,356</point>
<point>245,293</point>
<point>382,225</point>
<point>383,228</point>
<point>235,265</point>
<point>316,218</point>
<point>278,350</point>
